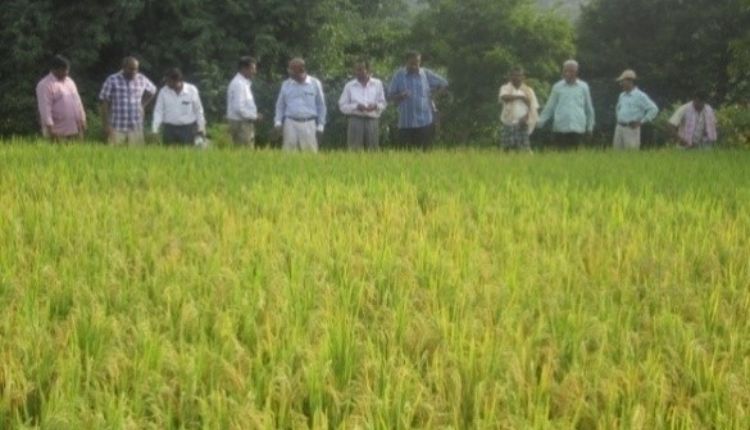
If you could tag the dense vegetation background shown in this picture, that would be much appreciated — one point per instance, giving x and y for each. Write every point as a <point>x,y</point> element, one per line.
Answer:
<point>675,45</point>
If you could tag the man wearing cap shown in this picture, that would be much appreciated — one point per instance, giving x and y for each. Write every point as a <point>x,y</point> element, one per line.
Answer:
<point>634,108</point>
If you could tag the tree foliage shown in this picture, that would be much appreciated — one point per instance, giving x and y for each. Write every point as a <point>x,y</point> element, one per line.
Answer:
<point>676,46</point>
<point>203,37</point>
<point>477,42</point>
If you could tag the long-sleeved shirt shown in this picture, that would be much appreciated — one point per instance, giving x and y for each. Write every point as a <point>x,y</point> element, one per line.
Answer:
<point>415,111</point>
<point>355,94</point>
<point>300,101</point>
<point>635,106</point>
<point>181,108</point>
<point>240,101</point>
<point>125,99</point>
<point>60,106</point>
<point>571,107</point>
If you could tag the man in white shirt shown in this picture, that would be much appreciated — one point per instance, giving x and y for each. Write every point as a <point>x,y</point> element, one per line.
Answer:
<point>520,112</point>
<point>179,111</point>
<point>363,101</point>
<point>242,113</point>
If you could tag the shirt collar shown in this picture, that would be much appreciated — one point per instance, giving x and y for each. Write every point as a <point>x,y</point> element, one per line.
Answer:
<point>184,89</point>
<point>357,82</point>
<point>240,76</point>
<point>419,72</point>
<point>53,78</point>
<point>122,75</point>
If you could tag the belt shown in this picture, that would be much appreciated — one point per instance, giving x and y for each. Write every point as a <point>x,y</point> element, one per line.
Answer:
<point>192,124</point>
<point>623,124</point>
<point>308,119</point>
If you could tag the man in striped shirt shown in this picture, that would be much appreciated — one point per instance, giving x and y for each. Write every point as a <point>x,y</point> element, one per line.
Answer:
<point>411,90</point>
<point>124,97</point>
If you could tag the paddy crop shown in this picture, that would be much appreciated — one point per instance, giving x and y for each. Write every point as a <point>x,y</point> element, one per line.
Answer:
<point>155,289</point>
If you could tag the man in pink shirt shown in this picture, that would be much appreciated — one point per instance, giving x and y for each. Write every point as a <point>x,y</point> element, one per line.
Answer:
<point>60,108</point>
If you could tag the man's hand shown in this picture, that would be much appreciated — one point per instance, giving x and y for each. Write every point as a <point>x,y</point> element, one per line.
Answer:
<point>398,98</point>
<point>319,138</point>
<point>276,132</point>
<point>259,117</point>
<point>361,108</point>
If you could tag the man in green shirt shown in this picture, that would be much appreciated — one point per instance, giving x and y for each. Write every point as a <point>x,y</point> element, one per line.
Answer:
<point>570,107</point>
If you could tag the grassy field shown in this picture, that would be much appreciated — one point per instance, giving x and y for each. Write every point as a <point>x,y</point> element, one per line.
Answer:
<point>156,289</point>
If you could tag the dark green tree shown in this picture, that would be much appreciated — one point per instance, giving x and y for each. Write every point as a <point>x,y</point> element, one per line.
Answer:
<point>476,43</point>
<point>203,37</point>
<point>676,46</point>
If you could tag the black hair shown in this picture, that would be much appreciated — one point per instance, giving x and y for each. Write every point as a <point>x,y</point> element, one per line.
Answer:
<point>362,61</point>
<point>412,54</point>
<point>245,62</point>
<point>58,62</point>
<point>174,74</point>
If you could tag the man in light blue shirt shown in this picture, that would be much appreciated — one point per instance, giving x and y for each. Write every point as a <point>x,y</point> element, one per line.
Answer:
<point>634,108</point>
<point>571,109</point>
<point>300,109</point>
<point>411,90</point>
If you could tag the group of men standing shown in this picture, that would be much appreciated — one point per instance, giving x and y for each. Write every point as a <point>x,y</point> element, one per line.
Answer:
<point>571,111</point>
<point>300,112</point>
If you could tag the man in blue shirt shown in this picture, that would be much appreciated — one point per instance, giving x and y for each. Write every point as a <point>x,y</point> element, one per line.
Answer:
<point>634,108</point>
<point>300,109</point>
<point>411,90</point>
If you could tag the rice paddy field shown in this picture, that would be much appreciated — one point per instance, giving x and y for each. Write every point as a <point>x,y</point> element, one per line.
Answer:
<point>176,289</point>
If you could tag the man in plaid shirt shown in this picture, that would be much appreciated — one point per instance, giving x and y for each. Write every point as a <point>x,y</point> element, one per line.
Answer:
<point>124,96</point>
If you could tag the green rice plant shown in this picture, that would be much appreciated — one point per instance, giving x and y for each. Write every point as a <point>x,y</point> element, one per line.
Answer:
<point>157,288</point>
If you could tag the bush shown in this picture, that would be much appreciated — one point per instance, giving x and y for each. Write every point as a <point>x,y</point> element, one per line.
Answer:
<point>734,126</point>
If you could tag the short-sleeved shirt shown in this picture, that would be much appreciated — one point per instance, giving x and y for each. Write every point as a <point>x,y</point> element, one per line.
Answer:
<point>125,98</point>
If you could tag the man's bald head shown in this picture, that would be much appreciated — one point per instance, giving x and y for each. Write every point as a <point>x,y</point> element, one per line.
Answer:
<point>130,67</point>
